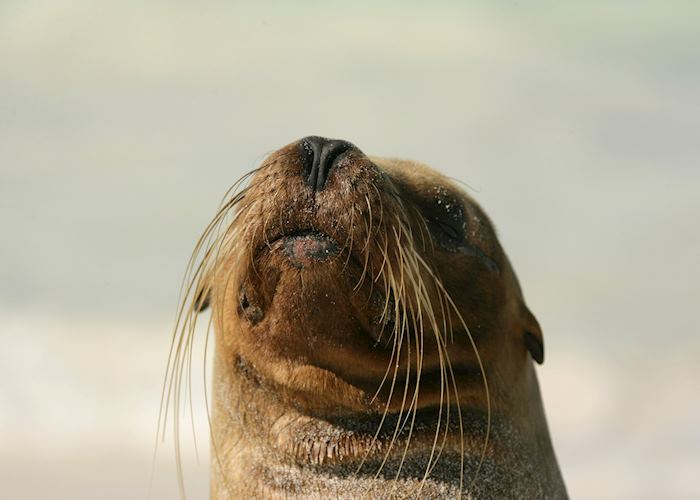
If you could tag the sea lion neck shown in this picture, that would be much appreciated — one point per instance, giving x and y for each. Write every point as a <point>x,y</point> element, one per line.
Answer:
<point>281,451</point>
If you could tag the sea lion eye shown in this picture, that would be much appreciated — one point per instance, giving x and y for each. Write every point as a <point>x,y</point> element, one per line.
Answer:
<point>445,218</point>
<point>447,230</point>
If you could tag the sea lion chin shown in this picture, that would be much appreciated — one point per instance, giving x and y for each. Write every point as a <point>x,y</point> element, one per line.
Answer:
<point>372,339</point>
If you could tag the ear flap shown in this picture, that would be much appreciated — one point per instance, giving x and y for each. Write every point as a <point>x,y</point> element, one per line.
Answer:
<point>532,336</point>
<point>202,300</point>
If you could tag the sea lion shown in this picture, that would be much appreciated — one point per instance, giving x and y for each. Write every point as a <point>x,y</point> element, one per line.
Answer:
<point>371,337</point>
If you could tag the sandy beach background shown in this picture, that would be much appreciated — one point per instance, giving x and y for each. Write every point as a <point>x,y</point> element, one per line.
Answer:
<point>123,123</point>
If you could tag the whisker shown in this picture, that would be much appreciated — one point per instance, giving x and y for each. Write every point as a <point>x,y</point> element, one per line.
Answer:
<point>196,284</point>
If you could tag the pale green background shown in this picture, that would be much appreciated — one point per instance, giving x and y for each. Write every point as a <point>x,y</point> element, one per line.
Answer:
<point>122,124</point>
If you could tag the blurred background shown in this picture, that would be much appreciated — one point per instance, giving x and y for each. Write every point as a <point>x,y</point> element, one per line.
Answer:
<point>123,123</point>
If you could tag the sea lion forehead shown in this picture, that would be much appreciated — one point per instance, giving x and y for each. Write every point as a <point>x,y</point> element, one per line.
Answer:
<point>421,179</point>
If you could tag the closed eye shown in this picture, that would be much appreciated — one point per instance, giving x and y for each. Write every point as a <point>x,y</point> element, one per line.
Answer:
<point>453,240</point>
<point>446,230</point>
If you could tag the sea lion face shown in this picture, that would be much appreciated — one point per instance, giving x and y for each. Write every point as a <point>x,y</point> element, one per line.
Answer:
<point>349,282</point>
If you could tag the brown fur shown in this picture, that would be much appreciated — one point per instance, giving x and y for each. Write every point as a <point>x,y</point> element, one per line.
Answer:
<point>397,367</point>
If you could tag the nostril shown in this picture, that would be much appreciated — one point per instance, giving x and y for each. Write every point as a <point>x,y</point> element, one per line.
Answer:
<point>307,156</point>
<point>331,155</point>
<point>319,156</point>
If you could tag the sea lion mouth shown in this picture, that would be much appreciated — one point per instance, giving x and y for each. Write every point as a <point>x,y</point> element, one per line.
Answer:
<point>304,248</point>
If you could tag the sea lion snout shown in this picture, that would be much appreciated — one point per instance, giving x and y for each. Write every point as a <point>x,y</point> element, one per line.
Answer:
<point>319,156</point>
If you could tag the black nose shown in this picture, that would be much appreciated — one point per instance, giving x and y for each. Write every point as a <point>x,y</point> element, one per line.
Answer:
<point>320,155</point>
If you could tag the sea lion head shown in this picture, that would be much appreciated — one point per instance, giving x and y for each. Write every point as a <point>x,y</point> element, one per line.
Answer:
<point>372,339</point>
<point>356,283</point>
